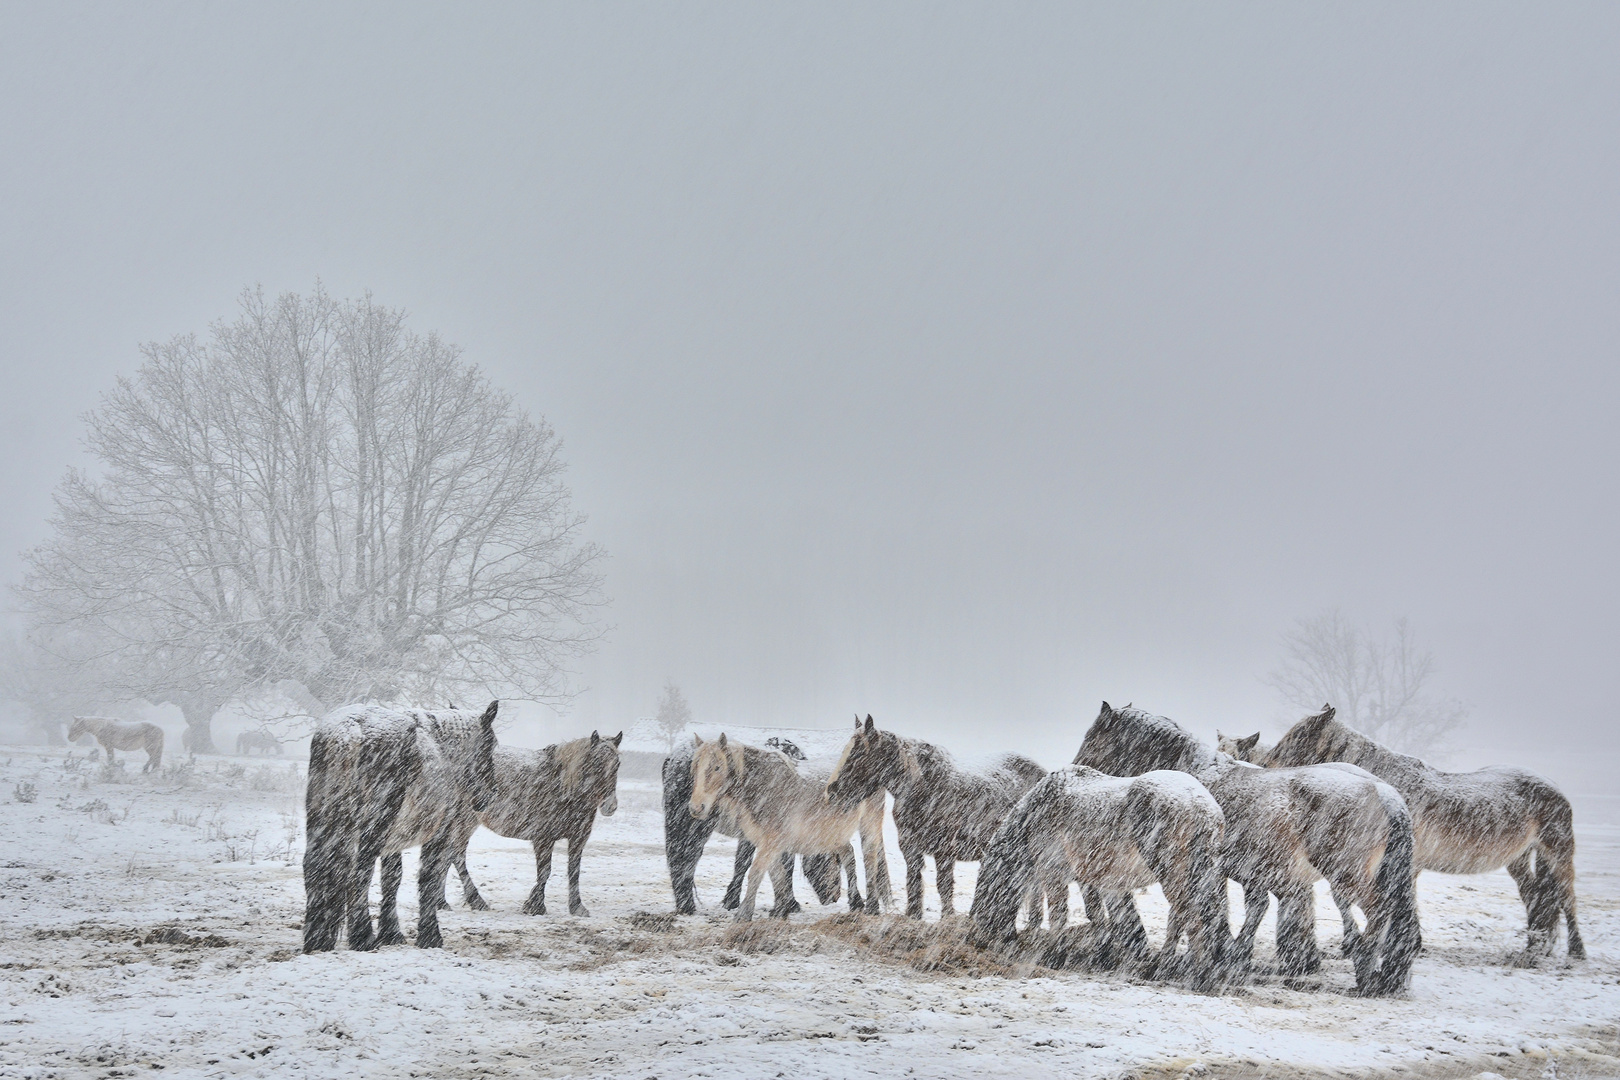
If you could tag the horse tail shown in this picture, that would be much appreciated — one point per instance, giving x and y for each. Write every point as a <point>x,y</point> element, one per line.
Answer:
<point>1208,931</point>
<point>684,835</point>
<point>1555,872</point>
<point>1397,892</point>
<point>1005,877</point>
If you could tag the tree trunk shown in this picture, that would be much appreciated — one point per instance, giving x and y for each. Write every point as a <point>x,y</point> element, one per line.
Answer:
<point>199,708</point>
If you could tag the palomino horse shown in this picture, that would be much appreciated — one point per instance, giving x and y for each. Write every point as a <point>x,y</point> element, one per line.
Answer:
<point>685,837</point>
<point>1464,823</point>
<point>262,741</point>
<point>119,735</point>
<point>1113,835</point>
<point>382,780</point>
<point>780,811</point>
<point>940,809</point>
<point>1285,829</point>
<point>543,796</point>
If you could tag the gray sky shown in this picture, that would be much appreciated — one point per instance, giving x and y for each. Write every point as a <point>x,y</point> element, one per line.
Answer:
<point>964,365</point>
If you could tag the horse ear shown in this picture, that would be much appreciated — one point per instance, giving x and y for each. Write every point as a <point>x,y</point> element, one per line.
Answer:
<point>488,719</point>
<point>722,740</point>
<point>857,721</point>
<point>697,740</point>
<point>619,738</point>
<point>595,738</point>
<point>1248,742</point>
<point>1107,709</point>
<point>870,726</point>
<point>1328,711</point>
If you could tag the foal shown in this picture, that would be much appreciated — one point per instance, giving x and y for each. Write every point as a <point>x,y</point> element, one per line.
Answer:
<point>119,735</point>
<point>780,811</point>
<point>940,809</point>
<point>1464,823</point>
<point>543,796</point>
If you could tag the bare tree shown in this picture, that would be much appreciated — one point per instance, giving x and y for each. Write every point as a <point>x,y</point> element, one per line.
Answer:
<point>316,494</point>
<point>674,715</point>
<point>1377,685</point>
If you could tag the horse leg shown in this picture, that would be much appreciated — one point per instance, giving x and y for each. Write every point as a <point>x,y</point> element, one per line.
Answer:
<point>763,861</point>
<point>846,859</point>
<point>1555,858</point>
<point>536,903</point>
<point>1352,934</point>
<point>327,869</point>
<point>576,852</point>
<point>469,888</point>
<point>945,882</point>
<point>914,881</point>
<point>1296,933</point>
<point>739,868</point>
<point>783,903</point>
<point>879,893</point>
<point>429,890</point>
<point>1255,902</point>
<point>388,931</point>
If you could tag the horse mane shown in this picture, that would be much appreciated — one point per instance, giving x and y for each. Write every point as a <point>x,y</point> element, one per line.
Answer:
<point>570,758</point>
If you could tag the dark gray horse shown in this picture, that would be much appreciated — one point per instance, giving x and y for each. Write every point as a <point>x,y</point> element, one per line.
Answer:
<point>381,780</point>
<point>940,809</point>
<point>685,837</point>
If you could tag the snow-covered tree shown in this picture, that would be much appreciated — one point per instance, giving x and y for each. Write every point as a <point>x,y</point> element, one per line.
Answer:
<point>314,493</point>
<point>1376,685</point>
<point>674,715</point>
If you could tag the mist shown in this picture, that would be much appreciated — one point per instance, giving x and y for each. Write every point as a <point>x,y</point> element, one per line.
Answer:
<point>962,366</point>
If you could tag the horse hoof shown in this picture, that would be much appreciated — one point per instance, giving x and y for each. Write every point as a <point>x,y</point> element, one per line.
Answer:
<point>579,910</point>
<point>429,939</point>
<point>444,905</point>
<point>392,937</point>
<point>478,903</point>
<point>534,909</point>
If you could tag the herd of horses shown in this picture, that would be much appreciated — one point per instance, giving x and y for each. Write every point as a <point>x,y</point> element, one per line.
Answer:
<point>1144,802</point>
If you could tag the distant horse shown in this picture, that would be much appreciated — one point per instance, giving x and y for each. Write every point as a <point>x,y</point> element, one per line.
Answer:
<point>1113,835</point>
<point>381,780</point>
<point>1285,829</point>
<point>1464,823</point>
<point>940,809</point>
<point>543,796</point>
<point>262,741</point>
<point>685,837</point>
<point>780,811</point>
<point>119,735</point>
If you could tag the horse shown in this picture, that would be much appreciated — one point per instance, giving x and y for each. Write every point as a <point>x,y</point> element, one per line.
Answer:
<point>1284,830</point>
<point>380,780</point>
<point>1464,823</point>
<point>543,796</point>
<point>262,741</point>
<point>940,809</point>
<point>1113,835</point>
<point>780,811</point>
<point>685,837</point>
<point>119,735</point>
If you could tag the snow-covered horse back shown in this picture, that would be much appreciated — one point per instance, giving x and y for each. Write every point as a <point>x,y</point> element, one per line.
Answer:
<point>780,811</point>
<point>1113,835</point>
<point>1284,830</point>
<point>380,780</point>
<point>121,735</point>
<point>1466,823</point>
<point>940,809</point>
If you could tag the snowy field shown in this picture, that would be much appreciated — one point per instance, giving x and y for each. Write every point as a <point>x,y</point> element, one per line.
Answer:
<point>152,924</point>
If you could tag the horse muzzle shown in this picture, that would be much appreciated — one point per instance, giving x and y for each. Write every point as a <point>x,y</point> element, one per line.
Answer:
<point>609,806</point>
<point>700,810</point>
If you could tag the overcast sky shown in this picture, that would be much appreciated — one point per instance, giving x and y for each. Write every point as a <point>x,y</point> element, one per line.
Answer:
<point>963,365</point>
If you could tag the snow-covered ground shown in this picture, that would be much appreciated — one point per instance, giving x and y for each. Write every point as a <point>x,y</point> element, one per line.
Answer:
<point>152,924</point>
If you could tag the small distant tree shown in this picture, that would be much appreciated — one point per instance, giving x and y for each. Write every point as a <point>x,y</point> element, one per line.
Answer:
<point>674,715</point>
<point>1377,685</point>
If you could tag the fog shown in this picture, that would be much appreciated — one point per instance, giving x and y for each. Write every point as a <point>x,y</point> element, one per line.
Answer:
<point>961,365</point>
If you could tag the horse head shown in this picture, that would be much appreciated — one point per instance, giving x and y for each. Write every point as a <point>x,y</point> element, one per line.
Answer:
<point>598,774</point>
<point>1247,748</point>
<point>1312,741</point>
<point>76,729</point>
<point>872,760</point>
<point>715,768</point>
<point>480,778</point>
